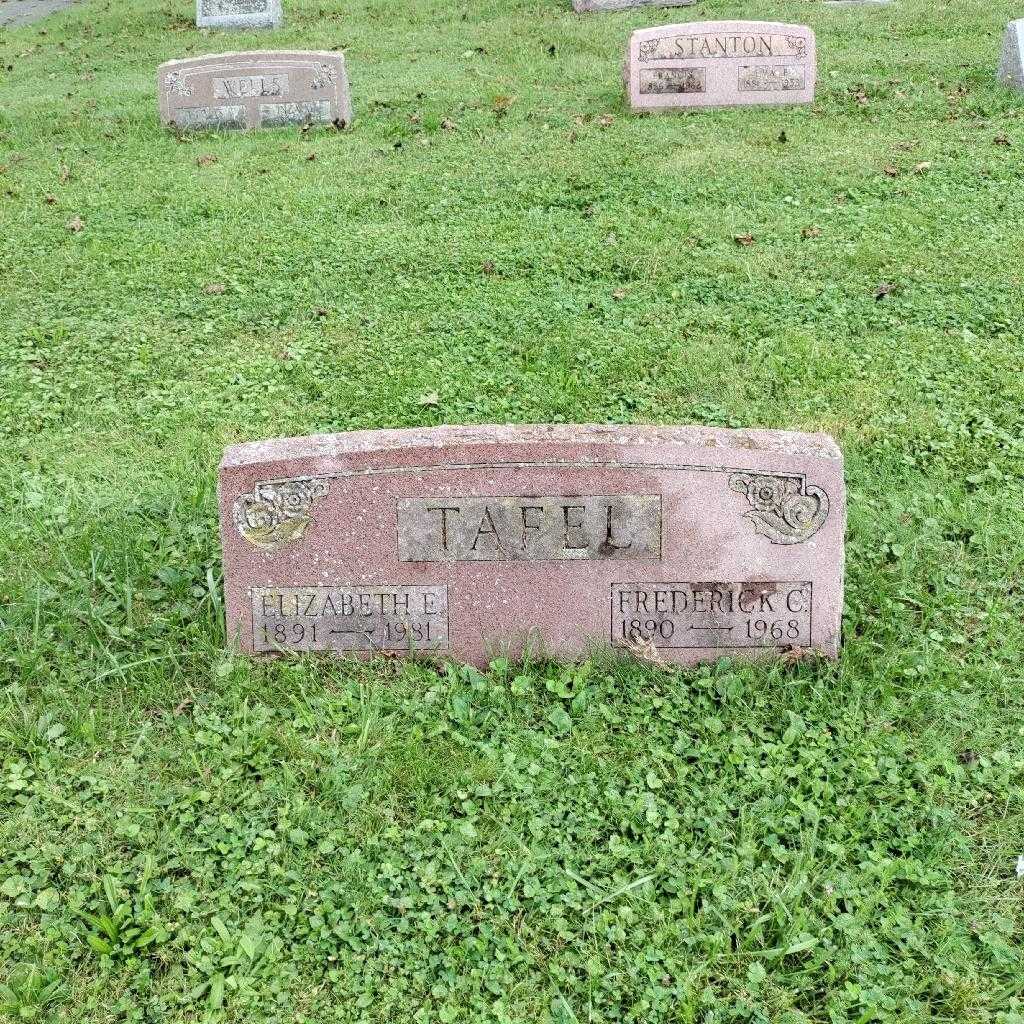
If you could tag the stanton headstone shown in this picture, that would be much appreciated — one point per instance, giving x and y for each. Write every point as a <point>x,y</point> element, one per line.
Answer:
<point>259,89</point>
<point>720,64</point>
<point>238,13</point>
<point>687,543</point>
<point>586,6</point>
<point>1011,62</point>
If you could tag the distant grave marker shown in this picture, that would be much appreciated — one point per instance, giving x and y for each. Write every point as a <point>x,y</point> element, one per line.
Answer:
<point>238,13</point>
<point>259,89</point>
<point>586,6</point>
<point>720,64</point>
<point>684,543</point>
<point>1011,61</point>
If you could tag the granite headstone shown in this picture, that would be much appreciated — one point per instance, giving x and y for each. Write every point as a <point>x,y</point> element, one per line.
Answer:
<point>720,64</point>
<point>687,543</point>
<point>259,89</point>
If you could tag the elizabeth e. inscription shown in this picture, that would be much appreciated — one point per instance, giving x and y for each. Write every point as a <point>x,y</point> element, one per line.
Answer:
<point>350,618</point>
<point>720,63</point>
<point>470,541</point>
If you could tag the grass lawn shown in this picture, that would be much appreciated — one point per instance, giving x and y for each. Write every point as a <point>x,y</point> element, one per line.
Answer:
<point>187,837</point>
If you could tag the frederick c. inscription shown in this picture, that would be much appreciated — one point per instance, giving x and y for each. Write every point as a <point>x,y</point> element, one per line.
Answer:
<point>709,615</point>
<point>529,528</point>
<point>350,618</point>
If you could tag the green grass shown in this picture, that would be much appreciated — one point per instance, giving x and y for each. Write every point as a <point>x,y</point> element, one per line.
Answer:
<point>185,836</point>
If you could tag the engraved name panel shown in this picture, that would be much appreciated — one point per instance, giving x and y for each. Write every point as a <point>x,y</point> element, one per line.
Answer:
<point>768,78</point>
<point>350,618</point>
<point>711,615</point>
<point>654,81</point>
<point>247,86</point>
<point>560,527</point>
<point>724,44</point>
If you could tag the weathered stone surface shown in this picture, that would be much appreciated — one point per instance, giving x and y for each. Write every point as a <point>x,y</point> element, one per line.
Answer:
<point>720,64</point>
<point>238,13</point>
<point>586,6</point>
<point>1011,62</point>
<point>688,542</point>
<point>258,89</point>
<point>22,12</point>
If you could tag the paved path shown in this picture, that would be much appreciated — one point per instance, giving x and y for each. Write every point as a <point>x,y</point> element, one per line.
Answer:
<point>20,12</point>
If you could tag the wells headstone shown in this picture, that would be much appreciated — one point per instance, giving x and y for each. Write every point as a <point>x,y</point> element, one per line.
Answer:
<point>260,89</point>
<point>1011,62</point>
<point>585,6</point>
<point>238,13</point>
<point>720,64</point>
<point>686,543</point>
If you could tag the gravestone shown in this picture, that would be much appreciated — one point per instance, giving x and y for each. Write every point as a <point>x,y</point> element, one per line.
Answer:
<point>686,543</point>
<point>1011,62</point>
<point>586,6</point>
<point>238,13</point>
<point>720,64</point>
<point>259,89</point>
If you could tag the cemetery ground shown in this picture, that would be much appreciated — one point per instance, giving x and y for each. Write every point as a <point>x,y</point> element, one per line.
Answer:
<point>186,835</point>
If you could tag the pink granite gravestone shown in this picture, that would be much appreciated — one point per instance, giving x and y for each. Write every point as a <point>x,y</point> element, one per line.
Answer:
<point>720,64</point>
<point>688,543</point>
<point>258,89</point>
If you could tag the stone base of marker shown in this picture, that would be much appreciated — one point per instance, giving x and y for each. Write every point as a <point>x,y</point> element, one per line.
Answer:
<point>1011,62</point>
<point>685,544</point>
<point>720,64</point>
<point>238,14</point>
<point>588,6</point>
<point>257,89</point>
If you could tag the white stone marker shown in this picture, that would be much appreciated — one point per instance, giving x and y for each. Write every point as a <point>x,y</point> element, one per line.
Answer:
<point>238,13</point>
<point>1011,63</point>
